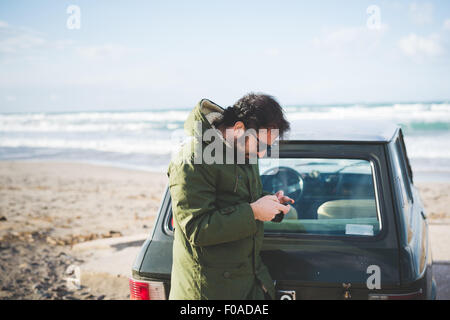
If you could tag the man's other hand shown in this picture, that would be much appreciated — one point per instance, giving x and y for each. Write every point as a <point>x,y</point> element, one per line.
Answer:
<point>265,208</point>
<point>282,198</point>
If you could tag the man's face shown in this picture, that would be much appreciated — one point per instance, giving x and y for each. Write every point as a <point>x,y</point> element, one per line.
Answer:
<point>251,142</point>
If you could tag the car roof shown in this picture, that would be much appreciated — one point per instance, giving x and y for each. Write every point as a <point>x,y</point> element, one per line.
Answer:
<point>348,130</point>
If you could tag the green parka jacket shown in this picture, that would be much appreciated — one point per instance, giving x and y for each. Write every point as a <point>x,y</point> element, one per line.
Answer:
<point>217,241</point>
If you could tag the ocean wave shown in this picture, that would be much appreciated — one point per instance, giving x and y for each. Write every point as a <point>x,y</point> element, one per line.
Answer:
<point>414,110</point>
<point>426,127</point>
<point>98,117</point>
<point>436,146</point>
<point>410,116</point>
<point>403,114</point>
<point>154,147</point>
<point>48,126</point>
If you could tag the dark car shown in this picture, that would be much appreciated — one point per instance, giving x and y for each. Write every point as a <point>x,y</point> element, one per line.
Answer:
<point>357,230</point>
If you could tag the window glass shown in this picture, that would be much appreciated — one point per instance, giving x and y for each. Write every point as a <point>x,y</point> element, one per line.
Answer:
<point>170,225</point>
<point>403,167</point>
<point>332,196</point>
<point>403,187</point>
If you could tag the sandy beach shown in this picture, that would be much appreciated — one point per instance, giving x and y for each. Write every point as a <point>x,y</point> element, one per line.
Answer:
<point>48,207</point>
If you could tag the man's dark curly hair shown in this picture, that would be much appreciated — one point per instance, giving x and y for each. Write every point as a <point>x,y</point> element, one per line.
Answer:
<point>256,111</point>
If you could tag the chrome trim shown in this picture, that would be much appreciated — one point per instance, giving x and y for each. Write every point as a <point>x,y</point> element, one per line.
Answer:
<point>290,293</point>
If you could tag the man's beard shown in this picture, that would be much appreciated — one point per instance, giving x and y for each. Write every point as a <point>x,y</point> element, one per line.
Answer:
<point>247,155</point>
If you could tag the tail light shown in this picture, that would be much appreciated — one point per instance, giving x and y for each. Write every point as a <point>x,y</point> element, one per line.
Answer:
<point>403,296</point>
<point>146,290</point>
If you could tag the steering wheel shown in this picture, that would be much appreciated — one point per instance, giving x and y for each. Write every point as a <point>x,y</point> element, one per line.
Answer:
<point>283,178</point>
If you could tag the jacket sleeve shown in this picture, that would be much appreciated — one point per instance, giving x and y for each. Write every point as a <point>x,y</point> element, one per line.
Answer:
<point>193,193</point>
<point>265,193</point>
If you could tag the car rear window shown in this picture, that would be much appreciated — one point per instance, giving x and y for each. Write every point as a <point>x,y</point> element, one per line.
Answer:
<point>333,197</point>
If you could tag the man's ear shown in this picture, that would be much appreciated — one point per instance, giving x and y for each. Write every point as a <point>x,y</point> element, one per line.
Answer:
<point>239,129</point>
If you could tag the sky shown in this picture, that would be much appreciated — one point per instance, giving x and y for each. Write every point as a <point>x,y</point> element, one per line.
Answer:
<point>136,55</point>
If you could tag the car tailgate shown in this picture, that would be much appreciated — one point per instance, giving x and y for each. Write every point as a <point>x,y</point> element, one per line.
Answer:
<point>331,269</point>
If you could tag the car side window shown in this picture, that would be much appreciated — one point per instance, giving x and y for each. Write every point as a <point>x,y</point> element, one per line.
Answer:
<point>333,197</point>
<point>169,222</point>
<point>403,167</point>
<point>403,187</point>
<point>404,155</point>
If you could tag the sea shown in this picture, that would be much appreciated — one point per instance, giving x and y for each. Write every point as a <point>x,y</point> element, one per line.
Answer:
<point>146,140</point>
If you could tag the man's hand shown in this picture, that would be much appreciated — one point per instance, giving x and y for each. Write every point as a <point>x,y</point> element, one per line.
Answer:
<point>267,207</point>
<point>282,198</point>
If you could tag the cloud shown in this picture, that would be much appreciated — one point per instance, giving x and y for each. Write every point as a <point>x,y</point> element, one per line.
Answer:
<point>15,40</point>
<point>338,38</point>
<point>21,42</point>
<point>101,52</point>
<point>272,52</point>
<point>421,13</point>
<point>24,43</point>
<point>420,47</point>
<point>349,39</point>
<point>447,25</point>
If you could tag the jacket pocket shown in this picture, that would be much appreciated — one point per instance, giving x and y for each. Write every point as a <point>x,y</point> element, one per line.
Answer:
<point>226,282</point>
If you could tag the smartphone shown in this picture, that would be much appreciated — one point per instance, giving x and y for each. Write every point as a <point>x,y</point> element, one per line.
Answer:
<point>279,216</point>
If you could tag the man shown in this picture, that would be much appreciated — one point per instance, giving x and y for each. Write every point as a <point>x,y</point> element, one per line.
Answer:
<point>219,207</point>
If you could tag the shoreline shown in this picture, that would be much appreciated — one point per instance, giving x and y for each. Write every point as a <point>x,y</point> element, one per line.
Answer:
<point>420,177</point>
<point>106,164</point>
